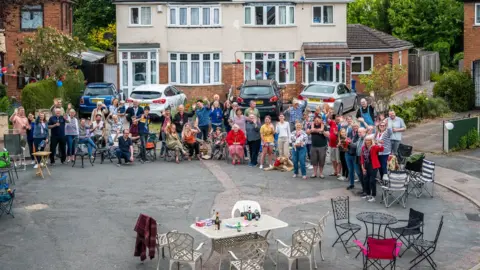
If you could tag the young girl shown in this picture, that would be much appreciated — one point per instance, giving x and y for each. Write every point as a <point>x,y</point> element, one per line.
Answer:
<point>343,142</point>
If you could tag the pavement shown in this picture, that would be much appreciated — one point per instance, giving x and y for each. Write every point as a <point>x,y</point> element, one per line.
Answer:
<point>84,218</point>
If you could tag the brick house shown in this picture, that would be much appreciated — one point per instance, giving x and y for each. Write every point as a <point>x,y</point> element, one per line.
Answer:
<point>370,48</point>
<point>23,21</point>
<point>471,44</point>
<point>206,47</point>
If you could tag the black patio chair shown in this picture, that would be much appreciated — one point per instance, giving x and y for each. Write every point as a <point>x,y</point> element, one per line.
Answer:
<point>81,150</point>
<point>426,248</point>
<point>404,151</point>
<point>412,231</point>
<point>341,219</point>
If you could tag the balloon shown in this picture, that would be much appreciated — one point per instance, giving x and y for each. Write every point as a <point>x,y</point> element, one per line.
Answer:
<point>59,83</point>
<point>302,58</point>
<point>1,74</point>
<point>4,69</point>
<point>238,61</point>
<point>266,74</point>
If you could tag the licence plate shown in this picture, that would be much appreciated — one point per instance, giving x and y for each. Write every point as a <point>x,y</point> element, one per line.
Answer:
<point>144,104</point>
<point>314,100</point>
<point>95,100</point>
<point>259,102</point>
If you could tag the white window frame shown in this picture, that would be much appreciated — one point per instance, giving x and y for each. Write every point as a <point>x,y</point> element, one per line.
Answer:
<point>308,64</point>
<point>362,63</point>
<point>277,16</point>
<point>321,15</point>
<point>200,16</point>
<point>277,60</point>
<point>477,9</point>
<point>400,57</point>
<point>129,87</point>
<point>189,68</point>
<point>139,16</point>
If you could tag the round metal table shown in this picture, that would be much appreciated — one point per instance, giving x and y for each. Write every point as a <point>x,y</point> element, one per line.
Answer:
<point>376,219</point>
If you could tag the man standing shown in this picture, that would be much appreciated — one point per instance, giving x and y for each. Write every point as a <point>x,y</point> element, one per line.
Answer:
<point>295,113</point>
<point>136,111</point>
<point>319,133</point>
<point>252,110</point>
<point>143,132</point>
<point>57,125</point>
<point>125,148</point>
<point>398,127</point>
<point>203,119</point>
<point>57,103</point>
<point>365,185</point>
<point>181,118</point>
<point>367,112</point>
<point>332,144</point>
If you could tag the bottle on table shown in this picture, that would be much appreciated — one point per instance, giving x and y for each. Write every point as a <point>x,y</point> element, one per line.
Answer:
<point>249,213</point>
<point>217,221</point>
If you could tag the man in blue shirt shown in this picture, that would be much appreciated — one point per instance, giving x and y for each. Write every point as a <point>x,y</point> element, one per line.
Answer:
<point>143,132</point>
<point>57,125</point>
<point>295,113</point>
<point>203,118</point>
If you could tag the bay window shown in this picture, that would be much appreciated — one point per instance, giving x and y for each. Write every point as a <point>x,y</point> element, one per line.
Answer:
<point>322,15</point>
<point>194,68</point>
<point>140,16</point>
<point>277,66</point>
<point>361,64</point>
<point>269,15</point>
<point>325,71</point>
<point>194,16</point>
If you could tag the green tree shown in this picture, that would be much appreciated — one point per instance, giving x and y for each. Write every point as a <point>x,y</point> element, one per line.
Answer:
<point>372,13</point>
<point>92,14</point>
<point>104,37</point>
<point>382,83</point>
<point>49,51</point>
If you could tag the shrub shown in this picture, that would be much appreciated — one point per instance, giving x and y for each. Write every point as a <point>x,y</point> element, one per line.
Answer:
<point>435,77</point>
<point>420,107</point>
<point>40,95</point>
<point>457,89</point>
<point>6,105</point>
<point>73,86</point>
<point>469,141</point>
<point>3,90</point>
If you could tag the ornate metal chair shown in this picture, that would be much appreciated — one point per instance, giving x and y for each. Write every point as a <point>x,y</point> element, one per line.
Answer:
<point>412,231</point>
<point>161,243</point>
<point>252,255</point>
<point>180,247</point>
<point>320,228</point>
<point>426,248</point>
<point>302,245</point>
<point>341,218</point>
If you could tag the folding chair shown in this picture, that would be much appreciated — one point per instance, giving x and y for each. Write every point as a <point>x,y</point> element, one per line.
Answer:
<point>426,178</point>
<point>404,151</point>
<point>81,150</point>
<point>395,184</point>
<point>150,147</point>
<point>13,145</point>
<point>6,197</point>
<point>426,248</point>
<point>378,250</point>
<point>341,219</point>
<point>412,231</point>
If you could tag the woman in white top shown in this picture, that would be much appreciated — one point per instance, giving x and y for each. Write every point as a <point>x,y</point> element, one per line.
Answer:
<point>284,134</point>
<point>71,133</point>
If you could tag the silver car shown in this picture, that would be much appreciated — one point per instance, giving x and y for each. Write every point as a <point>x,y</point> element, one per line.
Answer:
<point>337,95</point>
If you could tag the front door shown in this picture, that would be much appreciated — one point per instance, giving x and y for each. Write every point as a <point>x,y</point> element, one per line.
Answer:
<point>476,81</point>
<point>137,68</point>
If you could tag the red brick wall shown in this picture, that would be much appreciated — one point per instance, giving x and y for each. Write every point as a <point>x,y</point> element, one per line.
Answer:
<point>471,33</point>
<point>52,17</point>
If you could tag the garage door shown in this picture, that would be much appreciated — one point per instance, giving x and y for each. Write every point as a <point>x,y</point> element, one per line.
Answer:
<point>476,81</point>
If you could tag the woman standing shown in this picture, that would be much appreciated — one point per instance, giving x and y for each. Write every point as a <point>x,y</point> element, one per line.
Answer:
<point>226,115</point>
<point>216,115</point>
<point>40,135</point>
<point>299,141</point>
<point>253,139</point>
<point>71,133</point>
<point>382,136</point>
<point>236,143</point>
<point>165,121</point>
<point>350,155</point>
<point>370,165</point>
<point>173,142</point>
<point>189,137</point>
<point>342,146</point>
<point>20,124</point>
<point>31,121</point>
<point>267,132</point>
<point>284,134</point>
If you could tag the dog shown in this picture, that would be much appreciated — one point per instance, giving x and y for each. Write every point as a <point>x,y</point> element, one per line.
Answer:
<point>282,164</point>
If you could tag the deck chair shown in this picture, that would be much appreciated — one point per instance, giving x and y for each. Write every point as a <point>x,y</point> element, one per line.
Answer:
<point>427,178</point>
<point>378,250</point>
<point>151,147</point>
<point>6,197</point>
<point>341,219</point>
<point>396,187</point>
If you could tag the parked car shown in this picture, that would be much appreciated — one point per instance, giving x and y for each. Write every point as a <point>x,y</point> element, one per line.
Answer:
<point>340,98</point>
<point>158,97</point>
<point>267,94</point>
<point>95,92</point>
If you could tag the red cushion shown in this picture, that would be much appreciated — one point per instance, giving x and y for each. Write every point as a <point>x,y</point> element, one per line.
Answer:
<point>382,249</point>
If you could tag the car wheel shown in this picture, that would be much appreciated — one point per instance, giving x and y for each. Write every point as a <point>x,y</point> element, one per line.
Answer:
<point>340,110</point>
<point>355,104</point>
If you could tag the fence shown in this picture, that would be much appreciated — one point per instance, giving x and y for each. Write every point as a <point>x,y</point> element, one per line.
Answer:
<point>100,72</point>
<point>460,128</point>
<point>421,65</point>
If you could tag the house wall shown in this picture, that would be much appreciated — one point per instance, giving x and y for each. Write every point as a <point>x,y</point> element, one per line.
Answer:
<point>381,59</point>
<point>52,17</point>
<point>471,33</point>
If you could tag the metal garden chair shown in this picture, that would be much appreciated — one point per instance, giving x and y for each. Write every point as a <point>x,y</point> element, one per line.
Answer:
<point>81,150</point>
<point>426,248</point>
<point>180,247</point>
<point>252,255</point>
<point>302,246</point>
<point>320,230</point>
<point>396,186</point>
<point>341,219</point>
<point>412,231</point>
<point>378,250</point>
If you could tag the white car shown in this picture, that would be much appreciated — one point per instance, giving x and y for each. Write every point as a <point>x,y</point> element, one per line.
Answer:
<point>337,95</point>
<point>158,97</point>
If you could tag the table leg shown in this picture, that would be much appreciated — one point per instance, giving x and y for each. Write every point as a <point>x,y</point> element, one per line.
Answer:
<point>46,167</point>
<point>211,252</point>
<point>39,168</point>
<point>268,254</point>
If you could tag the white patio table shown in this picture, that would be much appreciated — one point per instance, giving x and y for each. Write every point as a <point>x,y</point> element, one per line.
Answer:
<point>226,238</point>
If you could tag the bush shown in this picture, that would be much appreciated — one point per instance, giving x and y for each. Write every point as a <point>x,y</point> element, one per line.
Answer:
<point>73,87</point>
<point>6,105</point>
<point>435,77</point>
<point>3,90</point>
<point>470,140</point>
<point>457,89</point>
<point>420,107</point>
<point>40,95</point>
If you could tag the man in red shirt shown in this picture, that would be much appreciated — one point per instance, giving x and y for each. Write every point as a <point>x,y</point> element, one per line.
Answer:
<point>332,144</point>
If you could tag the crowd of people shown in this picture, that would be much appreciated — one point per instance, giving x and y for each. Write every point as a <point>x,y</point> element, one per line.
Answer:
<point>358,147</point>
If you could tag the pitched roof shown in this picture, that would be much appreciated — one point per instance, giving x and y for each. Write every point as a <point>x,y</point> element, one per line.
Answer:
<point>361,37</point>
<point>314,50</point>
<point>166,1</point>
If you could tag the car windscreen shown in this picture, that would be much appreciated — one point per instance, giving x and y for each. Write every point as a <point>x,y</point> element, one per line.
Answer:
<point>145,95</point>
<point>319,89</point>
<point>98,91</point>
<point>257,91</point>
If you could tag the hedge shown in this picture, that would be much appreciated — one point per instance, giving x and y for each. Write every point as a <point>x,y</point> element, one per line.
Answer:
<point>457,89</point>
<point>3,90</point>
<point>74,85</point>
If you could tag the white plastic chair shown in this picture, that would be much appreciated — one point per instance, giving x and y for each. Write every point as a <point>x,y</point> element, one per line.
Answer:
<point>320,230</point>
<point>243,206</point>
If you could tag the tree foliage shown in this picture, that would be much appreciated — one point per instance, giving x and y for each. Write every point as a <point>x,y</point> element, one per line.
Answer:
<point>382,83</point>
<point>92,14</point>
<point>458,89</point>
<point>103,37</point>
<point>372,13</point>
<point>49,51</point>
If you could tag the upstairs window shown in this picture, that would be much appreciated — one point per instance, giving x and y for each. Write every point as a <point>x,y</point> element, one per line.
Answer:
<point>194,16</point>
<point>31,17</point>
<point>140,16</point>
<point>322,15</point>
<point>269,15</point>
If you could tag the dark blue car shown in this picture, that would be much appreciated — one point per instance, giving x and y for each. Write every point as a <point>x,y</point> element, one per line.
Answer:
<point>95,92</point>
